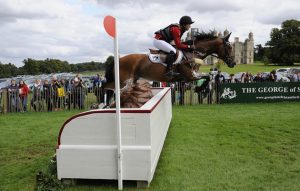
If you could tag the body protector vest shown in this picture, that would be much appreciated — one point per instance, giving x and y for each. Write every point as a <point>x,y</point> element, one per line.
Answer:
<point>166,34</point>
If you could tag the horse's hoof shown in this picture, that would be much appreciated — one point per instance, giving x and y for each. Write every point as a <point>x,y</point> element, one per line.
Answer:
<point>101,106</point>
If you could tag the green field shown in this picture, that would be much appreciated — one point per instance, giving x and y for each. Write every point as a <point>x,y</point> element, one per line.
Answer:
<point>252,68</point>
<point>208,147</point>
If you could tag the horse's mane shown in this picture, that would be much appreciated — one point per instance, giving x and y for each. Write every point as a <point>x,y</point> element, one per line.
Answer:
<point>202,36</point>
<point>205,35</point>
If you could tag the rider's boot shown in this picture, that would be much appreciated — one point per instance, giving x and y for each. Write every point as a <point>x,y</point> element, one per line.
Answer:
<point>171,58</point>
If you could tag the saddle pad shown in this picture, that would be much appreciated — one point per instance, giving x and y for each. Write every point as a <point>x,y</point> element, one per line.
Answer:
<point>155,58</point>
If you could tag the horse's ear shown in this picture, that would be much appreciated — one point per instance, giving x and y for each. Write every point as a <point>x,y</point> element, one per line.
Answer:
<point>226,38</point>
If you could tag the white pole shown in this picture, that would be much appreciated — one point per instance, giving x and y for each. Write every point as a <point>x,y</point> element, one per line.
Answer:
<point>118,113</point>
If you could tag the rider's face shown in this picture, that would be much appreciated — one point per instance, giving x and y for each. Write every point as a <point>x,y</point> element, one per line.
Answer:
<point>187,27</point>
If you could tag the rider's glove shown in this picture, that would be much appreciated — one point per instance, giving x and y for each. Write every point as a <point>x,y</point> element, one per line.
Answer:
<point>191,47</point>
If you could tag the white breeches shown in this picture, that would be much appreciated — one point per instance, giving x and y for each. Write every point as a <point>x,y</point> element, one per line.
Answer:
<point>163,45</point>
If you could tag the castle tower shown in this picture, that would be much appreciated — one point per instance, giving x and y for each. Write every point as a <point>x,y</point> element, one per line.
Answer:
<point>236,39</point>
<point>215,32</point>
<point>251,36</point>
<point>238,51</point>
<point>226,32</point>
<point>249,49</point>
<point>220,35</point>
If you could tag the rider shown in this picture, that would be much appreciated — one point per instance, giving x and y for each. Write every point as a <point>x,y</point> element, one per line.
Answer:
<point>174,32</point>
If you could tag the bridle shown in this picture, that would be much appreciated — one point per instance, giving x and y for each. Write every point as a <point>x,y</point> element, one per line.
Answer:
<point>227,45</point>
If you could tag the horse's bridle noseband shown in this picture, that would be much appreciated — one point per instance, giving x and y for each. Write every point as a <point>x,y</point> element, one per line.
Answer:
<point>228,58</point>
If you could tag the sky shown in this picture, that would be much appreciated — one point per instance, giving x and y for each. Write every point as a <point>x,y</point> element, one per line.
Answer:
<point>72,30</point>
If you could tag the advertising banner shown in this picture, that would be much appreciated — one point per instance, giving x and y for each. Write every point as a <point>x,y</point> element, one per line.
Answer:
<point>259,92</point>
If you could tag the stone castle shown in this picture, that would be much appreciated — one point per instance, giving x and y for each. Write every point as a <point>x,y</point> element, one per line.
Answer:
<point>243,51</point>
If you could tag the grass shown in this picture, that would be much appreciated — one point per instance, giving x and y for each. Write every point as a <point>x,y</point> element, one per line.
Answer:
<point>252,68</point>
<point>232,147</point>
<point>27,141</point>
<point>208,147</point>
<point>93,73</point>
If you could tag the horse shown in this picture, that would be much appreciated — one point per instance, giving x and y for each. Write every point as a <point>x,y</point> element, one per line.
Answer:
<point>135,66</point>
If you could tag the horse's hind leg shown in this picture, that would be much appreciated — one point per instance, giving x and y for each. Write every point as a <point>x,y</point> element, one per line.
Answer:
<point>109,96</point>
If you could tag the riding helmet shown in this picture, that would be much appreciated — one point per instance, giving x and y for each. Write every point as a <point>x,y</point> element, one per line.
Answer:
<point>185,20</point>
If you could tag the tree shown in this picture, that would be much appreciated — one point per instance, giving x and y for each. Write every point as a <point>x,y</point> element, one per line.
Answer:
<point>109,61</point>
<point>47,66</point>
<point>31,66</point>
<point>8,70</point>
<point>259,51</point>
<point>285,43</point>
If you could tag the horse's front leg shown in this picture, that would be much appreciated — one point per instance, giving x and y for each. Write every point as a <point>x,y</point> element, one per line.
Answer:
<point>187,73</point>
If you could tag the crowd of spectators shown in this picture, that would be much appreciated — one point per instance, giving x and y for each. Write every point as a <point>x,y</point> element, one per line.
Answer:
<point>247,77</point>
<point>52,95</point>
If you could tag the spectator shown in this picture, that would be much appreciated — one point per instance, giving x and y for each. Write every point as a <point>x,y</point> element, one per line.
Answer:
<point>296,77</point>
<point>213,72</point>
<point>202,88</point>
<point>79,94</point>
<point>98,91</point>
<point>64,83</point>
<point>70,93</point>
<point>56,99</point>
<point>63,90</point>
<point>246,77</point>
<point>232,79</point>
<point>156,84</point>
<point>13,97</point>
<point>84,86</point>
<point>163,84</point>
<point>181,88</point>
<point>47,95</point>
<point>23,93</point>
<point>219,78</point>
<point>273,76</point>
<point>78,76</point>
<point>258,78</point>
<point>173,92</point>
<point>36,101</point>
<point>97,81</point>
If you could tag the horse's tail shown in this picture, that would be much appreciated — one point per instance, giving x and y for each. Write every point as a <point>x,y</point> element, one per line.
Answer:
<point>106,89</point>
<point>109,73</point>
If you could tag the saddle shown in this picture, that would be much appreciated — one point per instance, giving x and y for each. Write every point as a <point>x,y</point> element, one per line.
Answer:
<point>159,56</point>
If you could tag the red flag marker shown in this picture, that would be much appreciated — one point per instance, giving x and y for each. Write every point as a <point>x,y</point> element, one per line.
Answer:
<point>110,25</point>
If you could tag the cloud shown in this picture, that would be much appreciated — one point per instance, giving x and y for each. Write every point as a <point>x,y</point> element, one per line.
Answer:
<point>72,29</point>
<point>279,12</point>
<point>11,11</point>
<point>213,6</point>
<point>56,29</point>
